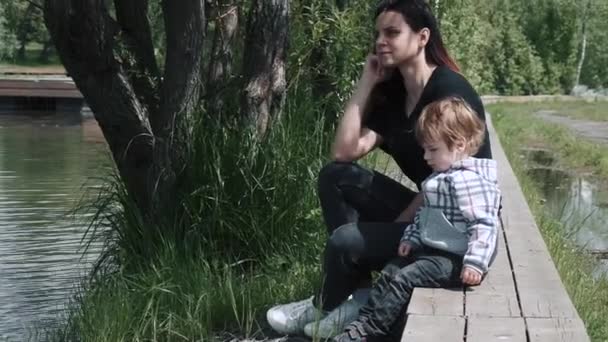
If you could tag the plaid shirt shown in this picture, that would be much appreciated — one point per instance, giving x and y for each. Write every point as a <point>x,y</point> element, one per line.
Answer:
<point>469,197</point>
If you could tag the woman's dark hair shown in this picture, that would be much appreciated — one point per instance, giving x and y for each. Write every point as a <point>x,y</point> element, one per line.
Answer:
<point>418,15</point>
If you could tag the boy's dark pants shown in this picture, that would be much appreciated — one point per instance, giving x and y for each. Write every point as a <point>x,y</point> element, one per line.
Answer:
<point>392,292</point>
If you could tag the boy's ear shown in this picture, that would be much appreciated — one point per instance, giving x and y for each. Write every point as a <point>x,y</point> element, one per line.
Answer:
<point>460,145</point>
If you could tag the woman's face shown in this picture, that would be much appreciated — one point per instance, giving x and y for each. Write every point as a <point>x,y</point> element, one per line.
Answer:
<point>396,42</point>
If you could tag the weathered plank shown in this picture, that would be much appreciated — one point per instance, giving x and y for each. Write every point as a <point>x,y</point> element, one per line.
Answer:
<point>556,330</point>
<point>438,302</point>
<point>496,296</point>
<point>422,328</point>
<point>541,291</point>
<point>485,329</point>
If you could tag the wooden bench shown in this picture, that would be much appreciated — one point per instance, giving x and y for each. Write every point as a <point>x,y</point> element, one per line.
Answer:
<point>521,299</point>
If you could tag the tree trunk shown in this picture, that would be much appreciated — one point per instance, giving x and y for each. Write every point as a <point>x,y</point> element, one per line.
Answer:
<point>179,94</point>
<point>581,59</point>
<point>142,140</point>
<point>222,55</point>
<point>21,51</point>
<point>138,52</point>
<point>45,53</point>
<point>23,31</point>
<point>264,62</point>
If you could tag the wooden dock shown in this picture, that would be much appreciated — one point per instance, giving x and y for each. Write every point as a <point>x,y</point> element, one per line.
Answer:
<point>45,93</point>
<point>59,87</point>
<point>521,300</point>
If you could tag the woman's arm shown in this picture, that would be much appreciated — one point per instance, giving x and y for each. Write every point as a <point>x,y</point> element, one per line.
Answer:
<point>408,214</point>
<point>353,140</point>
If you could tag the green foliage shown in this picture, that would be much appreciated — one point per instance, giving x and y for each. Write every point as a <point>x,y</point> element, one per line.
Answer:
<point>328,48</point>
<point>22,24</point>
<point>471,40</point>
<point>552,27</point>
<point>24,19</point>
<point>517,68</point>
<point>8,41</point>
<point>595,73</point>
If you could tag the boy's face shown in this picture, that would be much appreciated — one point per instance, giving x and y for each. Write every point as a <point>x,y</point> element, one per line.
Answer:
<point>440,157</point>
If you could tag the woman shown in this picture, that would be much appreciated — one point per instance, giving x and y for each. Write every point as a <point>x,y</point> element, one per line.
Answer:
<point>366,212</point>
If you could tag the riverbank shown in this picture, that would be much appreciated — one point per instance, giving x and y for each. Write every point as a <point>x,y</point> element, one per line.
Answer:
<point>222,293</point>
<point>519,128</point>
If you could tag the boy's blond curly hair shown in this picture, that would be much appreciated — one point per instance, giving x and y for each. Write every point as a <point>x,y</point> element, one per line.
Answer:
<point>451,120</point>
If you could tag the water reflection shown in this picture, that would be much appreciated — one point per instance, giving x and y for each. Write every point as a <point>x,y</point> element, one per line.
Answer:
<point>44,162</point>
<point>573,200</point>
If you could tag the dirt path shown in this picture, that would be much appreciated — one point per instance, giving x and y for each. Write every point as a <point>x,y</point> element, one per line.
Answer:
<point>592,130</point>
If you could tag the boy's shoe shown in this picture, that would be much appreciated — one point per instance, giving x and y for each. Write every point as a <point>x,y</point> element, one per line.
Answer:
<point>335,321</point>
<point>354,332</point>
<point>291,318</point>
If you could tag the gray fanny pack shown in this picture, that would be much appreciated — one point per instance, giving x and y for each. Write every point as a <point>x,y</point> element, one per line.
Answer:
<point>437,232</point>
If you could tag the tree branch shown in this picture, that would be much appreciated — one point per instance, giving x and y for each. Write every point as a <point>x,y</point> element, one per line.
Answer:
<point>220,64</point>
<point>133,20</point>
<point>83,33</point>
<point>184,25</point>
<point>35,4</point>
<point>264,62</point>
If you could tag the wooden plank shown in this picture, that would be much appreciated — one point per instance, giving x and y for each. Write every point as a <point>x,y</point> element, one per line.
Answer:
<point>492,305</point>
<point>439,302</point>
<point>36,84</point>
<point>63,88</point>
<point>485,329</point>
<point>496,296</point>
<point>540,289</point>
<point>70,94</point>
<point>556,330</point>
<point>421,328</point>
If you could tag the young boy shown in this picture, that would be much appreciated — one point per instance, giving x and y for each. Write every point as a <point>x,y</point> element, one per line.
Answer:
<point>453,238</point>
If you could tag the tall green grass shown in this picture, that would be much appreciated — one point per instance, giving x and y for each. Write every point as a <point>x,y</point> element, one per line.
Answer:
<point>251,233</point>
<point>252,236</point>
<point>518,129</point>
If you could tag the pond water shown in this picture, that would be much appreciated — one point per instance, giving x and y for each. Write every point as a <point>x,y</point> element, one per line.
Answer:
<point>575,200</point>
<point>45,167</point>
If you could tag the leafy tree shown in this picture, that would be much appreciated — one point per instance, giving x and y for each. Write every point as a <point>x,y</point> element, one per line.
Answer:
<point>517,67</point>
<point>146,111</point>
<point>551,27</point>
<point>7,38</point>
<point>471,40</point>
<point>594,72</point>
<point>25,21</point>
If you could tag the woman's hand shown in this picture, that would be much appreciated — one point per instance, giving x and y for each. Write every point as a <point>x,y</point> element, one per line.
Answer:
<point>373,71</point>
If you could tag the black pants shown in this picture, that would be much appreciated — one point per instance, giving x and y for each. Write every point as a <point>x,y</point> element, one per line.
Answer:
<point>359,208</point>
<point>392,292</point>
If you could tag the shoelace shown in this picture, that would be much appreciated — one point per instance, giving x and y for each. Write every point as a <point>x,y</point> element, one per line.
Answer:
<point>298,309</point>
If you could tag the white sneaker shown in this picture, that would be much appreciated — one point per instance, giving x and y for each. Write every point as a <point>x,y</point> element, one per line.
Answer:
<point>291,318</point>
<point>335,322</point>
